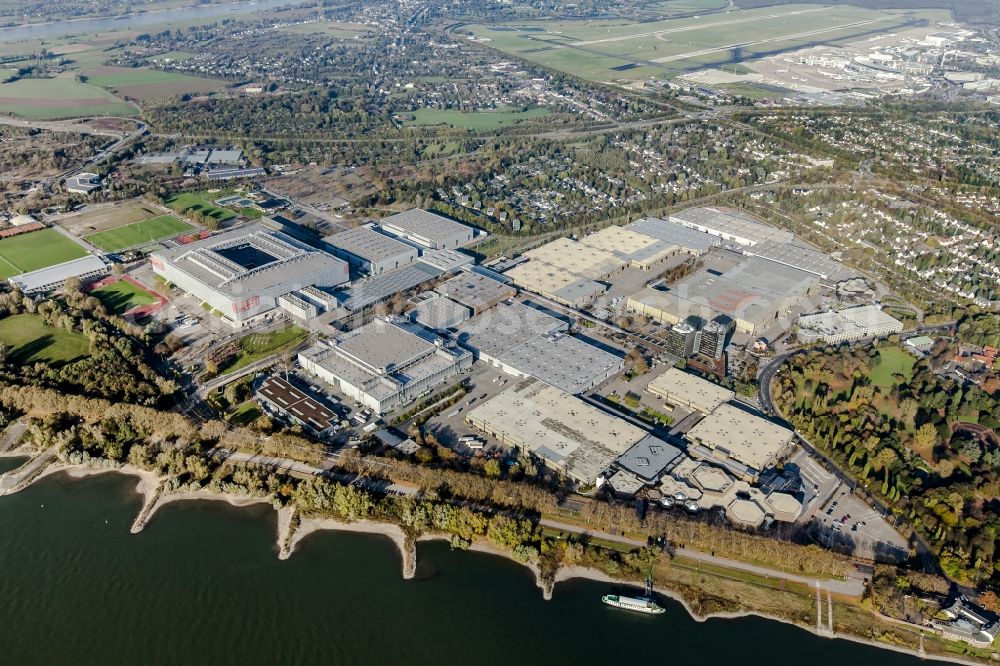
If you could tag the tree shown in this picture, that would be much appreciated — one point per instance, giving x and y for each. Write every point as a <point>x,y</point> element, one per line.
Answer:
<point>492,469</point>
<point>926,436</point>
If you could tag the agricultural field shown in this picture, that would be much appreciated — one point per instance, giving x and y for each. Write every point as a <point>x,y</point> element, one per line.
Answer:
<point>138,233</point>
<point>615,49</point>
<point>331,29</point>
<point>475,120</point>
<point>35,250</point>
<point>145,84</point>
<point>30,340</point>
<point>201,202</point>
<point>60,97</point>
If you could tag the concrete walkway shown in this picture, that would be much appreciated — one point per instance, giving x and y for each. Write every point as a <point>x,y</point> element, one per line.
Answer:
<point>853,586</point>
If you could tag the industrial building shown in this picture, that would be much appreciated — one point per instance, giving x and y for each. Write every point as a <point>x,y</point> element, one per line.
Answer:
<point>730,226</point>
<point>744,443</point>
<point>475,291</point>
<point>525,342</point>
<point>578,259</point>
<point>567,433</point>
<point>428,230</point>
<point>379,288</point>
<point>386,363</point>
<point>684,238</point>
<point>796,256</point>
<point>639,250</point>
<point>754,294</point>
<point>241,273</point>
<point>555,283</point>
<point>437,313</point>
<point>836,326</point>
<point>370,251</point>
<point>285,400</point>
<point>683,389</point>
<point>649,458</point>
<point>51,278</point>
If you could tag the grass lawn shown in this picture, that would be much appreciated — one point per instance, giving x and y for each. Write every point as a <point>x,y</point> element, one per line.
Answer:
<point>257,346</point>
<point>61,97</point>
<point>475,120</point>
<point>123,296</point>
<point>35,250</point>
<point>245,414</point>
<point>31,340</point>
<point>189,202</point>
<point>138,233</point>
<point>894,361</point>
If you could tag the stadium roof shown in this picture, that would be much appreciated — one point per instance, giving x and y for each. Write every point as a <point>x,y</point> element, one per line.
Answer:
<point>53,276</point>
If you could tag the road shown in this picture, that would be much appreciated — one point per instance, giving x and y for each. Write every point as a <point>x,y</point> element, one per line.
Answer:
<point>853,586</point>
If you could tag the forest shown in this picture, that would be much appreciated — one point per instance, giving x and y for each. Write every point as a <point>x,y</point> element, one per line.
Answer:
<point>920,441</point>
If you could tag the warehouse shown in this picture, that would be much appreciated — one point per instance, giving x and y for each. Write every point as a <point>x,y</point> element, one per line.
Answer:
<point>754,294</point>
<point>475,291</point>
<point>687,239</point>
<point>567,433</point>
<point>796,256</point>
<point>834,327</point>
<point>683,389</point>
<point>579,259</point>
<point>386,363</point>
<point>525,342</point>
<point>437,313</point>
<point>370,251</point>
<point>241,273</point>
<point>428,230</point>
<point>744,443</point>
<point>730,226</point>
<point>555,283</point>
<point>639,250</point>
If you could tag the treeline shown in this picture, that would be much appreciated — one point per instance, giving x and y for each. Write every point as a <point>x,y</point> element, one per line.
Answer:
<point>118,365</point>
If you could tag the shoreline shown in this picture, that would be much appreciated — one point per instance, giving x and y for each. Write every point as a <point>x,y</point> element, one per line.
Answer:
<point>290,535</point>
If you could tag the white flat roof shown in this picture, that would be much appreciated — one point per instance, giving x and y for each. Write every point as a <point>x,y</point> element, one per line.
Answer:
<point>702,394</point>
<point>747,438</point>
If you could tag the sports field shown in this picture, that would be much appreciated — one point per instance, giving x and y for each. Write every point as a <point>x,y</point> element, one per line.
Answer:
<point>31,340</point>
<point>138,233</point>
<point>142,84</point>
<point>474,120</point>
<point>60,97</point>
<point>615,49</point>
<point>202,202</point>
<point>35,250</point>
<point>122,296</point>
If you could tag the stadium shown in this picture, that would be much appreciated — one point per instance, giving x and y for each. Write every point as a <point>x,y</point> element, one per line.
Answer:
<point>242,273</point>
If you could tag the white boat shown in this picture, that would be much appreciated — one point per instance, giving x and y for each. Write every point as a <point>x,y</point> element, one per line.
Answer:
<point>637,604</point>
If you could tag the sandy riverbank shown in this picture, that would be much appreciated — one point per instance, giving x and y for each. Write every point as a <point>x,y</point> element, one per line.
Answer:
<point>146,487</point>
<point>395,533</point>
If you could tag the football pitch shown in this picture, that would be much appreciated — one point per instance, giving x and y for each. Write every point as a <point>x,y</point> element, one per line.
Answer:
<point>616,49</point>
<point>138,233</point>
<point>35,250</point>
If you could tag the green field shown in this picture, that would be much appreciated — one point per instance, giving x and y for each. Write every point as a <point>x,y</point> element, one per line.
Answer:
<point>257,346</point>
<point>59,98</point>
<point>138,233</point>
<point>895,361</point>
<point>30,340</point>
<point>245,414</point>
<point>202,202</point>
<point>122,296</point>
<point>137,77</point>
<point>616,49</point>
<point>474,120</point>
<point>35,250</point>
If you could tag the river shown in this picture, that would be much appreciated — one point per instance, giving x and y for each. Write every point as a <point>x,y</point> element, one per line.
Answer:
<point>84,26</point>
<point>203,584</point>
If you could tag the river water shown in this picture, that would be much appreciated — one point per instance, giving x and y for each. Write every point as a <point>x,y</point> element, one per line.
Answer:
<point>203,584</point>
<point>84,26</point>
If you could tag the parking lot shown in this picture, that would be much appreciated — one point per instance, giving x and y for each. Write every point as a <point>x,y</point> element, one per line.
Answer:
<point>847,519</point>
<point>485,381</point>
